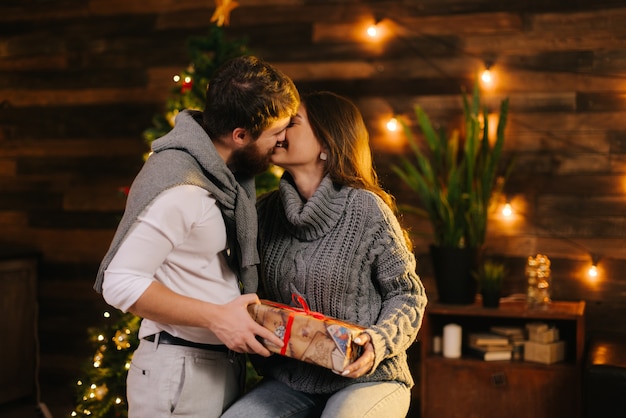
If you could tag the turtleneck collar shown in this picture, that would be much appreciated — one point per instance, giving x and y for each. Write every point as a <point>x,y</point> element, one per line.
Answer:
<point>312,219</point>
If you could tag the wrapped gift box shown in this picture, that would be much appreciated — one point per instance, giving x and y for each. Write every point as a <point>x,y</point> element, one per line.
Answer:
<point>544,353</point>
<point>545,337</point>
<point>540,332</point>
<point>308,336</point>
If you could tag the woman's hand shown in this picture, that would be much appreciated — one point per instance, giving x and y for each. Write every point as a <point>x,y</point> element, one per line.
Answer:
<point>365,362</point>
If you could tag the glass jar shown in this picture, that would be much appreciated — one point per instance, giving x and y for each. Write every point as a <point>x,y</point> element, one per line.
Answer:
<point>539,281</point>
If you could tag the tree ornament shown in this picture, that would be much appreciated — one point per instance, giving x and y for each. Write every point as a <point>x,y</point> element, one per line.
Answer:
<point>186,85</point>
<point>121,339</point>
<point>97,358</point>
<point>101,391</point>
<point>221,16</point>
<point>106,370</point>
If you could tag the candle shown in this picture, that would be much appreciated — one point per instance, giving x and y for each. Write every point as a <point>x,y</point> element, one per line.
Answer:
<point>452,338</point>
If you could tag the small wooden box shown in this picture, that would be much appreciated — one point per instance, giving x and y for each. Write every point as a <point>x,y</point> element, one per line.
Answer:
<point>544,353</point>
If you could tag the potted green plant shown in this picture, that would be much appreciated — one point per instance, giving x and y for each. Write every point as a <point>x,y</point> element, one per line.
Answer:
<point>455,180</point>
<point>490,276</point>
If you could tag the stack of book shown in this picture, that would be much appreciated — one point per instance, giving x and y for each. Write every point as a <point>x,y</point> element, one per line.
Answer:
<point>516,336</point>
<point>489,346</point>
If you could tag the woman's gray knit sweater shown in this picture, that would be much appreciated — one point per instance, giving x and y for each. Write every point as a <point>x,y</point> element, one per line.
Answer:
<point>344,251</point>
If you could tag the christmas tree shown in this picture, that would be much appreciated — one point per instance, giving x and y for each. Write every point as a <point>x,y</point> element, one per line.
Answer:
<point>101,391</point>
<point>207,54</point>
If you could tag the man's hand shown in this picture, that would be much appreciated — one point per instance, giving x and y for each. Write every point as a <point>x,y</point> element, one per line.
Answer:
<point>231,323</point>
<point>365,362</point>
<point>238,331</point>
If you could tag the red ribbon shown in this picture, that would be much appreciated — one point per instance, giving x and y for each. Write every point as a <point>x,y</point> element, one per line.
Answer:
<point>287,335</point>
<point>303,309</point>
<point>299,300</point>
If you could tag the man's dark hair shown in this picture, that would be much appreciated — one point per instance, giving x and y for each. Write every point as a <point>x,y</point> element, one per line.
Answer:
<point>248,93</point>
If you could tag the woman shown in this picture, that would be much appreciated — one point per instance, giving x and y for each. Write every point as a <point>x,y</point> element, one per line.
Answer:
<point>330,234</point>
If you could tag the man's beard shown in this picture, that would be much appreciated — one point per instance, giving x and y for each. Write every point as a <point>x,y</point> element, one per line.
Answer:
<point>248,161</point>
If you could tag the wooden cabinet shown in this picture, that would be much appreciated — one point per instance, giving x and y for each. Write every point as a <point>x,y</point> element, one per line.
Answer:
<point>18,331</point>
<point>469,387</point>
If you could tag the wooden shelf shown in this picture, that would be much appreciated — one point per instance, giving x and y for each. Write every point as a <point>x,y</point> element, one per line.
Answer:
<point>515,309</point>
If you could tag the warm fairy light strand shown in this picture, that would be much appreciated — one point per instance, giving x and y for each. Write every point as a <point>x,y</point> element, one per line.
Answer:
<point>486,78</point>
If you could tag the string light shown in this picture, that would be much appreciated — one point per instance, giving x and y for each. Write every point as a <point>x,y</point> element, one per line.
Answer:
<point>486,76</point>
<point>392,124</point>
<point>488,80</point>
<point>593,271</point>
<point>376,29</point>
<point>507,210</point>
<point>372,30</point>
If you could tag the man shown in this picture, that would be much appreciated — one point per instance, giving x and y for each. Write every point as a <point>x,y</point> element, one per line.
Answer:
<point>186,245</point>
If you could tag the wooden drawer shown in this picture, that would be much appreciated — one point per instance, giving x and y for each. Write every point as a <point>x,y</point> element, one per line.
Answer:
<point>469,388</point>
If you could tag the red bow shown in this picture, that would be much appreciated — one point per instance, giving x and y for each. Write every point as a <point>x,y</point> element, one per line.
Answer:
<point>302,309</point>
<point>300,301</point>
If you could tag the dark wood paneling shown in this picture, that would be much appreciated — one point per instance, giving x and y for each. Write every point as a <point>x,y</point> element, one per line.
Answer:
<point>95,121</point>
<point>81,80</point>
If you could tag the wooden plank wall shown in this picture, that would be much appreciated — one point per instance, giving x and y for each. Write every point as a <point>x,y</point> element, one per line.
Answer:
<point>81,79</point>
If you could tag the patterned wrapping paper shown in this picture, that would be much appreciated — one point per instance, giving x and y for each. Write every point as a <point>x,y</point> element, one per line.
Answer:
<point>308,336</point>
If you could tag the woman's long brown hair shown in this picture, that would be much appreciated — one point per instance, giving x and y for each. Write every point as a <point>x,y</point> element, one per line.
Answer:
<point>338,124</point>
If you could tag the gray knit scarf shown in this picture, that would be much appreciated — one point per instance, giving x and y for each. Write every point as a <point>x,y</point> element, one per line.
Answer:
<point>186,155</point>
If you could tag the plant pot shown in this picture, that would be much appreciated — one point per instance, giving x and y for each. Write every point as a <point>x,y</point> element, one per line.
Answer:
<point>491,298</point>
<point>452,268</point>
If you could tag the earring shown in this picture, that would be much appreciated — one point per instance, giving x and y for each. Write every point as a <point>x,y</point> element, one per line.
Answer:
<point>323,156</point>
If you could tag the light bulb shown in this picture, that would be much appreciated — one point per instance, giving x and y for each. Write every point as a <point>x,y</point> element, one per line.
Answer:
<point>507,210</point>
<point>176,78</point>
<point>392,124</point>
<point>372,31</point>
<point>593,271</point>
<point>486,76</point>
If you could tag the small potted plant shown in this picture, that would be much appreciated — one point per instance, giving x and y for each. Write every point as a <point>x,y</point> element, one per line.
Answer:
<point>455,179</point>
<point>490,276</point>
